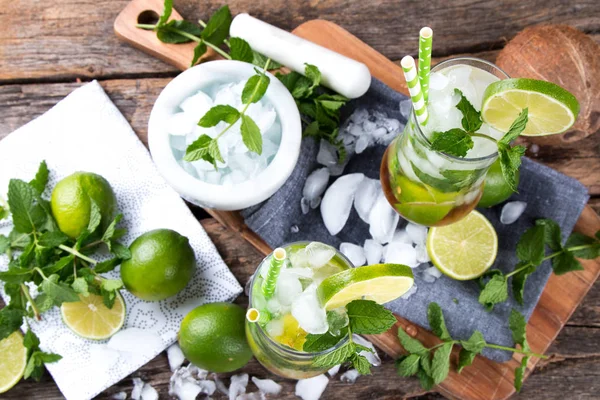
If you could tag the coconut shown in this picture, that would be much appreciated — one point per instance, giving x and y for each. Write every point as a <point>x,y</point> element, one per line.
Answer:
<point>565,56</point>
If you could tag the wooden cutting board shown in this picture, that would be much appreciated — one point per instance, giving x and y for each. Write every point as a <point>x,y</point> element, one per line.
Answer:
<point>485,379</point>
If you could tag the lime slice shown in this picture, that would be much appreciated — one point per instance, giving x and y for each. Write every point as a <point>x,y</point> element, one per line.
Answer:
<point>380,283</point>
<point>463,250</point>
<point>552,109</point>
<point>13,360</point>
<point>91,319</point>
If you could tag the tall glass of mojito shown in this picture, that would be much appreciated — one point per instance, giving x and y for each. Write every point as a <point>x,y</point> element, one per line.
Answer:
<point>433,188</point>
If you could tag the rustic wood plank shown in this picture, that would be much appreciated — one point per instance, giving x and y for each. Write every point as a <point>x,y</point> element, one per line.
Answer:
<point>56,41</point>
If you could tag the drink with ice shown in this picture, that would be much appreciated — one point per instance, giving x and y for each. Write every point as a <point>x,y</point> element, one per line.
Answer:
<point>429,187</point>
<point>293,309</point>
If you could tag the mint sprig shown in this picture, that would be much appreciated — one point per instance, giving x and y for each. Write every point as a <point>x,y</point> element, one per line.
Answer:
<point>432,365</point>
<point>531,252</point>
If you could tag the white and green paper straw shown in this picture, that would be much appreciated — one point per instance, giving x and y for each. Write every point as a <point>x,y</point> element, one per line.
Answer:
<point>277,259</point>
<point>256,316</point>
<point>414,88</point>
<point>425,41</point>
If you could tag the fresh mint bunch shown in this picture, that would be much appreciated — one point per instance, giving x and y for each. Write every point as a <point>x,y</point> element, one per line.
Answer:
<point>320,110</point>
<point>60,267</point>
<point>531,252</point>
<point>365,317</point>
<point>457,142</point>
<point>432,365</point>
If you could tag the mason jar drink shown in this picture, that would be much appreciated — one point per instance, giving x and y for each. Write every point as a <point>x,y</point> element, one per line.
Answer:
<point>292,309</point>
<point>432,188</point>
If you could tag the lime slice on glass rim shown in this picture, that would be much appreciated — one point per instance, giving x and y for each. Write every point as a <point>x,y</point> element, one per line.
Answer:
<point>380,283</point>
<point>463,250</point>
<point>12,361</point>
<point>91,319</point>
<point>552,109</point>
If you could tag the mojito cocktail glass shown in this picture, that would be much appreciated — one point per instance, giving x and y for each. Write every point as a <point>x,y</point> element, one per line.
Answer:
<point>428,187</point>
<point>277,343</point>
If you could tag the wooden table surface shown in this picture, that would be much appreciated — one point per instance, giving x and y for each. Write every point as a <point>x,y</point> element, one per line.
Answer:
<point>47,49</point>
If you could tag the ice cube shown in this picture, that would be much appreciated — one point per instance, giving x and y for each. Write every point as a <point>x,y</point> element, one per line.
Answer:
<point>410,292</point>
<point>382,220</point>
<point>119,396</point>
<point>275,327</point>
<point>427,278</point>
<point>288,288</point>
<point>318,254</point>
<point>301,272</point>
<point>422,254</point>
<point>338,168</point>
<point>148,393</point>
<point>356,130</point>
<point>365,197</point>
<point>359,115</point>
<point>294,229</point>
<point>267,386</point>
<point>197,105</point>
<point>138,385</point>
<point>372,356</point>
<point>433,271</point>
<point>308,312</point>
<point>373,251</point>
<point>175,356</point>
<point>327,155</point>
<point>405,108</point>
<point>512,211</point>
<point>275,307</point>
<point>334,370</point>
<point>416,233</point>
<point>355,254</point>
<point>362,143</point>
<point>315,184</point>
<point>311,388</point>
<point>337,202</point>
<point>401,236</point>
<point>304,205</point>
<point>251,396</point>
<point>349,376</point>
<point>401,253</point>
<point>220,385</point>
<point>185,386</point>
<point>207,387</point>
<point>238,385</point>
<point>314,203</point>
<point>438,81</point>
<point>225,95</point>
<point>180,124</point>
<point>369,126</point>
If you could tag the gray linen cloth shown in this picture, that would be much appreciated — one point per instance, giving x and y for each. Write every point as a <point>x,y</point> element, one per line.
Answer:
<point>548,194</point>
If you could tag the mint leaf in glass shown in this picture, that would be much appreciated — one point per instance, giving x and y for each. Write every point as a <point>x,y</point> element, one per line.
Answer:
<point>454,142</point>
<point>471,120</point>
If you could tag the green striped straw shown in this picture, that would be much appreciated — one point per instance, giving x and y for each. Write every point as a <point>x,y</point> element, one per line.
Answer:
<point>425,41</point>
<point>268,286</point>
<point>261,317</point>
<point>414,88</point>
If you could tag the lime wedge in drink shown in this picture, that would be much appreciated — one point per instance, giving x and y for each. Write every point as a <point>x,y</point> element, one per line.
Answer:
<point>13,360</point>
<point>463,250</point>
<point>552,109</point>
<point>380,283</point>
<point>91,319</point>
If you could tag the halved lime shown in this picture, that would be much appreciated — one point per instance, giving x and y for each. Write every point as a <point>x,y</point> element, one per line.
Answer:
<point>13,360</point>
<point>91,319</point>
<point>463,250</point>
<point>380,283</point>
<point>552,109</point>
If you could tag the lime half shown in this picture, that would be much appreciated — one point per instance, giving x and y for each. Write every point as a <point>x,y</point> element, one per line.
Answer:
<point>12,361</point>
<point>91,319</point>
<point>380,283</point>
<point>463,250</point>
<point>552,109</point>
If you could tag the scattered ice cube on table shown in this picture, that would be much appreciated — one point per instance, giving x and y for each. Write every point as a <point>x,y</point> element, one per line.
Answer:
<point>373,251</point>
<point>355,254</point>
<point>184,385</point>
<point>416,233</point>
<point>401,253</point>
<point>119,396</point>
<point>221,387</point>
<point>315,184</point>
<point>327,154</point>
<point>362,143</point>
<point>410,292</point>
<point>334,370</point>
<point>405,107</point>
<point>197,105</point>
<point>314,203</point>
<point>365,197</point>
<point>138,385</point>
<point>267,386</point>
<point>401,236</point>
<point>382,220</point>
<point>308,312</point>
<point>251,396</point>
<point>357,130</point>
<point>207,387</point>
<point>369,126</point>
<point>337,201</point>
<point>304,205</point>
<point>433,271</point>
<point>275,327</point>
<point>148,393</point>
<point>175,356</point>
<point>512,211</point>
<point>359,115</point>
<point>311,388</point>
<point>238,385</point>
<point>349,376</point>
<point>422,254</point>
<point>294,229</point>
<point>372,357</point>
<point>288,287</point>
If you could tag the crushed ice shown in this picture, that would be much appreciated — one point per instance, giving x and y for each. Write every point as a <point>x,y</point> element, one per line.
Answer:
<point>350,376</point>
<point>267,386</point>
<point>311,388</point>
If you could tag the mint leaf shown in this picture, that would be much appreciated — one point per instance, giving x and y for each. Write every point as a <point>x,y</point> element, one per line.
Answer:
<point>440,365</point>
<point>109,233</point>
<point>217,114</point>
<point>461,179</point>
<point>578,239</point>
<point>465,358</point>
<point>59,292</point>
<point>425,380</point>
<point>288,80</point>
<point>52,239</point>
<point>111,284</point>
<point>10,321</point>
<point>198,150</point>
<point>80,286</point>
<point>471,120</point>
<point>454,142</point>
<point>338,356</point>
<point>16,275</point>
<point>30,340</point>
<point>408,366</point>
<point>518,327</point>
<point>520,373</point>
<point>312,73</point>
<point>317,343</point>
<point>4,212</point>
<point>241,50</point>
<point>4,244</point>
<point>475,344</point>
<point>43,302</point>
<point>41,178</point>
<point>95,217</point>
<point>436,321</point>
<point>107,266</point>
<point>369,318</point>
<point>217,27</point>
<point>171,32</point>
<point>531,245</point>
<point>260,60</point>
<point>34,368</point>
<point>565,262</point>
<point>337,320</point>
<point>516,128</point>
<point>494,292</point>
<point>19,240</point>
<point>552,233</point>
<point>121,251</point>
<point>361,364</point>
<point>166,14</point>
<point>214,152</point>
<point>519,279</point>
<point>510,157</point>
<point>255,88</point>
<point>58,265</point>
<point>26,213</point>
<point>251,135</point>
<point>410,344</point>
<point>199,51</point>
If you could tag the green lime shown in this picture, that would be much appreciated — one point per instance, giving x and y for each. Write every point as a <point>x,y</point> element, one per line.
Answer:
<point>72,198</point>
<point>380,283</point>
<point>91,319</point>
<point>162,263</point>
<point>13,360</point>
<point>496,189</point>
<point>213,337</point>
<point>552,109</point>
<point>465,249</point>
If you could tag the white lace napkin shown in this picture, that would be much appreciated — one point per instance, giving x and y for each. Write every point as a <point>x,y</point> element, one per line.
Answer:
<point>86,132</point>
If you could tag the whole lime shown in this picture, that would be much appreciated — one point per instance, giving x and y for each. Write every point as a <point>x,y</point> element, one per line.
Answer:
<point>162,263</point>
<point>213,337</point>
<point>72,198</point>
<point>496,189</point>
